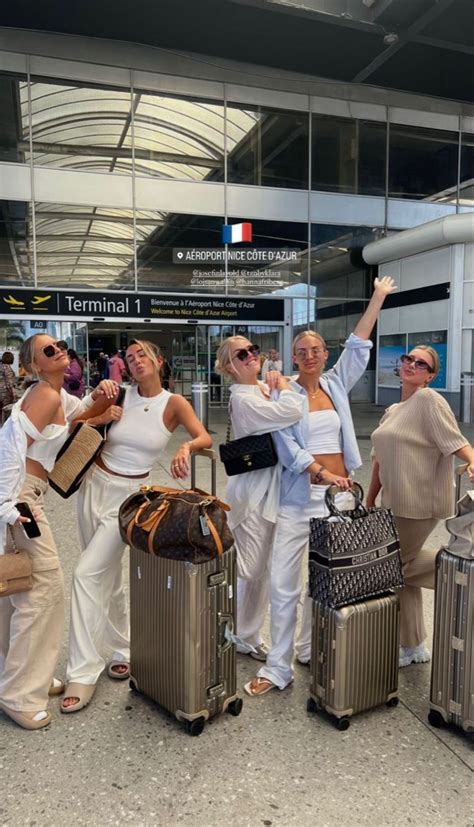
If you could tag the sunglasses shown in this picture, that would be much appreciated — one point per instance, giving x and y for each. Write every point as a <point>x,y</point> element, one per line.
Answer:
<point>419,364</point>
<point>50,350</point>
<point>244,352</point>
<point>302,353</point>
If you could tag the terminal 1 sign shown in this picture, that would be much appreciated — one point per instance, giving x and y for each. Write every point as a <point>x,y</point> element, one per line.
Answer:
<point>98,306</point>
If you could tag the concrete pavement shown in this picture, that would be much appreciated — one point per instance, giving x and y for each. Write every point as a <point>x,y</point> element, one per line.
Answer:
<point>122,760</point>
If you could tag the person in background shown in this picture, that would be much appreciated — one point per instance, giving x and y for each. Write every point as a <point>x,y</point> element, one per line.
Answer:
<point>272,362</point>
<point>413,451</point>
<point>102,363</point>
<point>254,497</point>
<point>32,622</point>
<point>73,375</point>
<point>143,428</point>
<point>8,393</point>
<point>117,368</point>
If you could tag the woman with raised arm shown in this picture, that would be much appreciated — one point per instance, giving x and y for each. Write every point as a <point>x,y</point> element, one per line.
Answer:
<point>31,623</point>
<point>99,617</point>
<point>318,452</point>
<point>254,497</point>
<point>414,448</point>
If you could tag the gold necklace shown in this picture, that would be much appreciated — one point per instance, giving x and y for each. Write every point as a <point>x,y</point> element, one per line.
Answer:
<point>314,395</point>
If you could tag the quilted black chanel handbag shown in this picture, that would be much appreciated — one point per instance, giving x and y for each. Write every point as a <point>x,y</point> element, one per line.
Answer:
<point>249,453</point>
<point>353,554</point>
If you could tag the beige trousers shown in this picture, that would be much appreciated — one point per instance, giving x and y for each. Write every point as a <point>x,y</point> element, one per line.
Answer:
<point>419,572</point>
<point>31,623</point>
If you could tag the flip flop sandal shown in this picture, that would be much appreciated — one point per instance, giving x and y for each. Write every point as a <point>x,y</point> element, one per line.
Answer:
<point>253,689</point>
<point>28,720</point>
<point>118,676</point>
<point>84,692</point>
<point>57,687</point>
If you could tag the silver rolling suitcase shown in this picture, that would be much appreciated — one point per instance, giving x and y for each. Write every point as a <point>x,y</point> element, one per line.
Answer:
<point>354,659</point>
<point>180,614</point>
<point>452,668</point>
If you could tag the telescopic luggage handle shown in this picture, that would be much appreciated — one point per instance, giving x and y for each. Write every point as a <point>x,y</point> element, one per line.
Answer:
<point>357,492</point>
<point>210,454</point>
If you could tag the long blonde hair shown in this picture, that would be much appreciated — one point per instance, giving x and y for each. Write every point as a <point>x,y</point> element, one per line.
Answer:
<point>27,354</point>
<point>434,355</point>
<point>149,349</point>
<point>308,333</point>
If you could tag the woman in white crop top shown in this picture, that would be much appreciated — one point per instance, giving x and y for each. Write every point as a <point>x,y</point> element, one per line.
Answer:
<point>99,617</point>
<point>31,623</point>
<point>322,450</point>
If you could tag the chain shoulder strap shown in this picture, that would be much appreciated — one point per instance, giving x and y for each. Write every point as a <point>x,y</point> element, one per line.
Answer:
<point>229,422</point>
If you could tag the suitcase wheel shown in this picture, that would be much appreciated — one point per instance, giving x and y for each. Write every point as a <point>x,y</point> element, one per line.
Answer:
<point>134,686</point>
<point>195,727</point>
<point>436,719</point>
<point>342,723</point>
<point>311,705</point>
<point>393,702</point>
<point>235,707</point>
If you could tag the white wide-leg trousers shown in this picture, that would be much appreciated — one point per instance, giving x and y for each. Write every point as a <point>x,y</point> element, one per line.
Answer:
<point>254,542</point>
<point>99,615</point>
<point>290,546</point>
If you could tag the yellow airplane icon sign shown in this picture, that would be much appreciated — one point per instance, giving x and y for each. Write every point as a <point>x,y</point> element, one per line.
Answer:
<point>13,302</point>
<point>40,299</point>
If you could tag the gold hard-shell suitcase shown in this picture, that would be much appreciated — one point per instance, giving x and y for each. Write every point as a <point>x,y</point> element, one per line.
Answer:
<point>354,660</point>
<point>182,618</point>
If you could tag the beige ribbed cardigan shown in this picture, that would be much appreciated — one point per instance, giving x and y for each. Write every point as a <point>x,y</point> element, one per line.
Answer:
<point>413,445</point>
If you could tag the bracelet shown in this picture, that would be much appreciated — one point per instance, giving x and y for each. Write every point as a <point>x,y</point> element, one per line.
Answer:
<point>318,477</point>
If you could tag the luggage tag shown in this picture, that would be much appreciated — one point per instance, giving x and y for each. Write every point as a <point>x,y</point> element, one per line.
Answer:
<point>204,525</point>
<point>246,647</point>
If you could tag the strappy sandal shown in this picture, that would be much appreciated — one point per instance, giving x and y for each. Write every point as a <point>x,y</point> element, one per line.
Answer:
<point>259,686</point>
<point>84,693</point>
<point>57,687</point>
<point>118,676</point>
<point>28,720</point>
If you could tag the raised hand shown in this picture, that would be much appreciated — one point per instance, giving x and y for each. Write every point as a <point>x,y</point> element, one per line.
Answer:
<point>385,286</point>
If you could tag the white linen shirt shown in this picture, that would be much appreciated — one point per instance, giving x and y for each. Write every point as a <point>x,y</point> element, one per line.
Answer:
<point>13,448</point>
<point>251,413</point>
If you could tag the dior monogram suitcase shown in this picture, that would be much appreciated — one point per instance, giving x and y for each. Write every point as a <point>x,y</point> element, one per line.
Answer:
<point>181,616</point>
<point>354,659</point>
<point>452,668</point>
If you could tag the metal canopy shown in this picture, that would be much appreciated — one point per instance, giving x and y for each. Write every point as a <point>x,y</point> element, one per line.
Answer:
<point>421,46</point>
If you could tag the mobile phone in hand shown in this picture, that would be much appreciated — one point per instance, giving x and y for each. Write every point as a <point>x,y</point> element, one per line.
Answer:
<point>31,529</point>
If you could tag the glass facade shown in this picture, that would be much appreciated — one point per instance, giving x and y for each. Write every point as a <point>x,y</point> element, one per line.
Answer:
<point>423,163</point>
<point>348,155</point>
<point>466,185</point>
<point>16,243</point>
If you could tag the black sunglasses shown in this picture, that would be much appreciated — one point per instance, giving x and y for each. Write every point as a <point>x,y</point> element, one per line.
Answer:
<point>50,350</point>
<point>419,364</point>
<point>245,352</point>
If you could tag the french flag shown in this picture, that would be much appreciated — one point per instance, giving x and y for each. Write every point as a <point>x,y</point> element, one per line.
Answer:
<point>234,233</point>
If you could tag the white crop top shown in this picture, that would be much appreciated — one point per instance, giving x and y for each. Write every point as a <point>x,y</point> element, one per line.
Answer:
<point>50,440</point>
<point>135,442</point>
<point>324,432</point>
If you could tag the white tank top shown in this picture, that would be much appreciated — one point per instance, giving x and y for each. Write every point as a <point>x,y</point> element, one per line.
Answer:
<point>324,432</point>
<point>135,442</point>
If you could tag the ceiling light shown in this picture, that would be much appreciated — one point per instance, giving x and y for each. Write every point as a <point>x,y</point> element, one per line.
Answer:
<point>391,38</point>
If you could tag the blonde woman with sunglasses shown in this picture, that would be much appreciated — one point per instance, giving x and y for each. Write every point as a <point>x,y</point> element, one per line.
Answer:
<point>413,450</point>
<point>254,497</point>
<point>31,623</point>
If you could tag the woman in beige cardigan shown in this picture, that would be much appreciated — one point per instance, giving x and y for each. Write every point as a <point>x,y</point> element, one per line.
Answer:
<point>413,449</point>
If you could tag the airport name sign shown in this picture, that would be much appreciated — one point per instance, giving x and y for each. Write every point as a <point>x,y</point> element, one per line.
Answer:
<point>145,306</point>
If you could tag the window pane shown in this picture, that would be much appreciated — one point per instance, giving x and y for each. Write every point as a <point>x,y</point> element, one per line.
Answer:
<point>178,138</point>
<point>267,147</point>
<point>348,155</point>
<point>423,164</point>
<point>88,247</point>
<point>80,127</point>
<point>14,118</point>
<point>466,195</point>
<point>16,243</point>
<point>159,233</point>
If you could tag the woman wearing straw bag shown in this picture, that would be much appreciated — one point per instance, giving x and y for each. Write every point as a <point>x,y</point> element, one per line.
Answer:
<point>31,623</point>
